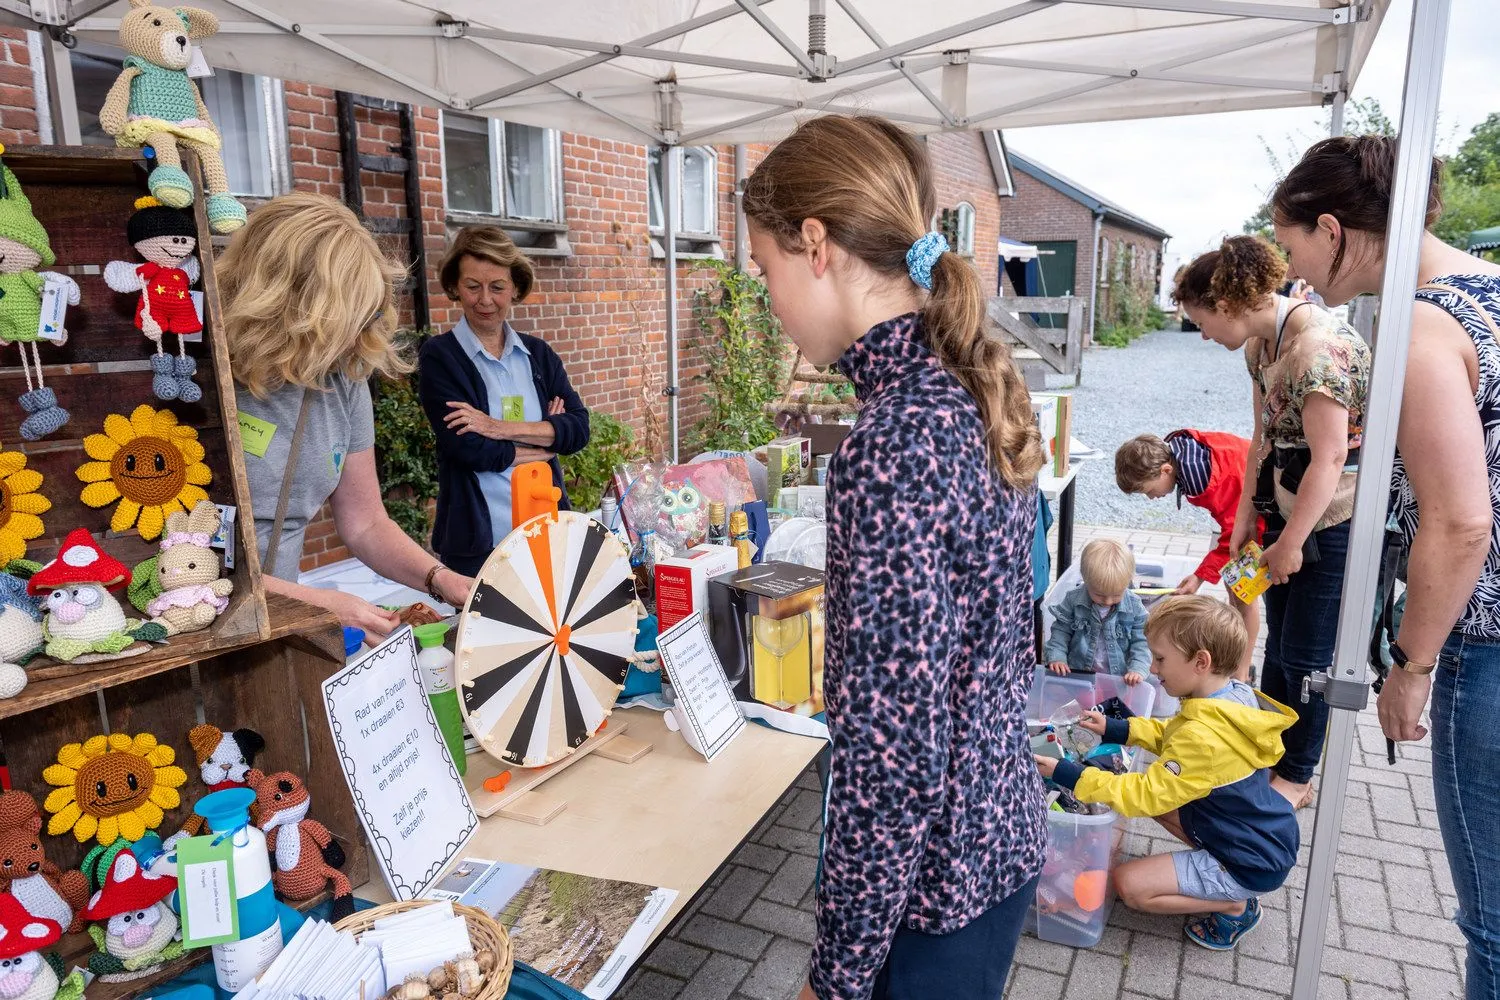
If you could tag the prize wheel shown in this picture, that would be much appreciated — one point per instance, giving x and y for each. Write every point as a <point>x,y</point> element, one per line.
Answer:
<point>546,638</point>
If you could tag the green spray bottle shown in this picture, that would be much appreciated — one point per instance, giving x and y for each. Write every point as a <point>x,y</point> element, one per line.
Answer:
<point>436,663</point>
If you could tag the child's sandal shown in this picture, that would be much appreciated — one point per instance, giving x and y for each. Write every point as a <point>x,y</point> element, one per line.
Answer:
<point>1218,932</point>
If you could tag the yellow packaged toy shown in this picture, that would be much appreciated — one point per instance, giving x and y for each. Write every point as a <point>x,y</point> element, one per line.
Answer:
<point>1245,577</point>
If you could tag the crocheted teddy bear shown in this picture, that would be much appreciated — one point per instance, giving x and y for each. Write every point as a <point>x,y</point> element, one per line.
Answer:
<point>140,930</point>
<point>166,238</point>
<point>25,973</point>
<point>307,857</point>
<point>43,888</point>
<point>192,594</point>
<point>23,248</point>
<point>155,103</point>
<point>20,633</point>
<point>83,618</point>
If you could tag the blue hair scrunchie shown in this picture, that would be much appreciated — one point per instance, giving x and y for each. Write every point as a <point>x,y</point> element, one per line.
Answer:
<point>923,255</point>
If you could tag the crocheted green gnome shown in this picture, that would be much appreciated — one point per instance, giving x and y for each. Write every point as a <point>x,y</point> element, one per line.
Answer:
<point>23,248</point>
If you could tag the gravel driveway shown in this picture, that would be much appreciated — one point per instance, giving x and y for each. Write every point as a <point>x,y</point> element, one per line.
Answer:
<point>1161,382</point>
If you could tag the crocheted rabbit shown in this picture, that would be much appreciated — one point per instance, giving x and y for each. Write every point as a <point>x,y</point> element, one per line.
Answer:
<point>24,247</point>
<point>166,237</point>
<point>192,594</point>
<point>155,103</point>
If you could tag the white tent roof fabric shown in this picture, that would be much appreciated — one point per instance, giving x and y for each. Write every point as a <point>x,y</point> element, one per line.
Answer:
<point>710,71</point>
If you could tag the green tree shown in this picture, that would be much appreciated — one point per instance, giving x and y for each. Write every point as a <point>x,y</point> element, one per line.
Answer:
<point>1471,185</point>
<point>1478,159</point>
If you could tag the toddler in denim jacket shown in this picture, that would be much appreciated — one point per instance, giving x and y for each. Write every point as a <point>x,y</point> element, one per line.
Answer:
<point>1100,626</point>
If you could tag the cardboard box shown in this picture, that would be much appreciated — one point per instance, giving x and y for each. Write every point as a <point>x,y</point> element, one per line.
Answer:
<point>682,582</point>
<point>768,632</point>
<point>826,438</point>
<point>1054,414</point>
<point>787,463</point>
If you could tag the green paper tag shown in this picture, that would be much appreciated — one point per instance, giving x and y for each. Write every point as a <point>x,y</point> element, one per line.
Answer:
<point>512,408</point>
<point>256,434</point>
<point>205,891</point>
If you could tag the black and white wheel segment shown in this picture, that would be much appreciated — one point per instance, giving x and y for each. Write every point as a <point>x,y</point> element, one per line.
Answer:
<point>546,638</point>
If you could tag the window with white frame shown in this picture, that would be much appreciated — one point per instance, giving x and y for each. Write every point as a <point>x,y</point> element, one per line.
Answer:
<point>1103,277</point>
<point>957,224</point>
<point>696,214</point>
<point>248,110</point>
<point>502,169</point>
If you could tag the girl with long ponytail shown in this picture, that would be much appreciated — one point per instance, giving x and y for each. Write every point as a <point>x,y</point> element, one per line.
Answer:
<point>935,830</point>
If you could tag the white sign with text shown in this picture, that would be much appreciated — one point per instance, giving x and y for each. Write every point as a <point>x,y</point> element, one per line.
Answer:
<point>707,711</point>
<point>410,797</point>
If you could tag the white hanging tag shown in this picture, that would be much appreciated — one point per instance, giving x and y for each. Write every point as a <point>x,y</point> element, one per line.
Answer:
<point>198,66</point>
<point>54,309</point>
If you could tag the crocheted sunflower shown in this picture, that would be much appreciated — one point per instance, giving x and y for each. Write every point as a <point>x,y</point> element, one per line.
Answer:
<point>20,503</point>
<point>112,786</point>
<point>150,463</point>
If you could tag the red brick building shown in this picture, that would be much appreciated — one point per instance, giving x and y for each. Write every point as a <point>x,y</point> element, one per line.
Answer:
<point>1082,235</point>
<point>586,209</point>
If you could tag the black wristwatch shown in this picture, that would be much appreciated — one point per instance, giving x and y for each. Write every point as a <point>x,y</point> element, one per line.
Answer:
<point>1399,658</point>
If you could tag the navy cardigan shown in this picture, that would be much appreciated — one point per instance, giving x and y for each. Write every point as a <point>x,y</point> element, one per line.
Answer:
<point>446,374</point>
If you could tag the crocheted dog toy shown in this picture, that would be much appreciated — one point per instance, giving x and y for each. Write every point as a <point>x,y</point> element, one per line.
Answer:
<point>150,463</point>
<point>112,786</point>
<point>23,248</point>
<point>307,857</point>
<point>25,973</point>
<point>20,634</point>
<point>140,930</point>
<point>224,761</point>
<point>155,103</point>
<point>192,594</point>
<point>42,887</point>
<point>166,238</point>
<point>83,618</point>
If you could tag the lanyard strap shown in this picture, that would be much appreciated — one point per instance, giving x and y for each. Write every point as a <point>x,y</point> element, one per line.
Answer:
<point>273,548</point>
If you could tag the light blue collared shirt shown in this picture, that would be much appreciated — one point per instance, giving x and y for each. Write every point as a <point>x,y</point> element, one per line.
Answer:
<point>507,375</point>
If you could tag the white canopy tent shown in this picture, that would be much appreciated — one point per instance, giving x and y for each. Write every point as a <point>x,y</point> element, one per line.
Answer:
<point>675,72</point>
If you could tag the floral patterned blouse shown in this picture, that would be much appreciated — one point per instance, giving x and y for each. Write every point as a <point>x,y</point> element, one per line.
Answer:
<point>1327,358</point>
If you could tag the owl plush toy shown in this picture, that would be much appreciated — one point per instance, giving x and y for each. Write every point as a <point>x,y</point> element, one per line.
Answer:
<point>682,504</point>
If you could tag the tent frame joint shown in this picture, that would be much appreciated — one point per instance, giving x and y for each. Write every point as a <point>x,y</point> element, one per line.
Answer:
<point>453,29</point>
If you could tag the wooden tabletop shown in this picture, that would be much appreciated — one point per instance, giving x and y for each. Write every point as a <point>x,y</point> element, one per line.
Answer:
<point>670,819</point>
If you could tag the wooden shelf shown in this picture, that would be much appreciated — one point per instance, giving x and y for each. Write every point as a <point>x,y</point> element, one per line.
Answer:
<point>290,619</point>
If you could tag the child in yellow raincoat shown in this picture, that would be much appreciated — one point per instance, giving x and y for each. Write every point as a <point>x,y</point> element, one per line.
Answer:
<point>1209,785</point>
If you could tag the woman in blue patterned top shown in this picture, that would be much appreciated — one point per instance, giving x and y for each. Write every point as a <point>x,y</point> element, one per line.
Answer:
<point>935,830</point>
<point>1330,215</point>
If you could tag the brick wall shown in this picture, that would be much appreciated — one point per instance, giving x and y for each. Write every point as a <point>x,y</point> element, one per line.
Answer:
<point>1143,273</point>
<point>1039,213</point>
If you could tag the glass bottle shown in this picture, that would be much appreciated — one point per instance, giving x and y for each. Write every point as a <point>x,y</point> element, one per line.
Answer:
<point>739,532</point>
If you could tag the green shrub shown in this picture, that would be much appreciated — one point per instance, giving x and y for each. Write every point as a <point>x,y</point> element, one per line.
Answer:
<point>587,473</point>
<point>405,456</point>
<point>742,345</point>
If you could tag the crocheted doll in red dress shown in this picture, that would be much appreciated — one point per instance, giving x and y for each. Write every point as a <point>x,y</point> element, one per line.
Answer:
<point>167,238</point>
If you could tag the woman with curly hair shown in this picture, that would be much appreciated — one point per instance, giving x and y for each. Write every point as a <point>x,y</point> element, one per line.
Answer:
<point>1310,373</point>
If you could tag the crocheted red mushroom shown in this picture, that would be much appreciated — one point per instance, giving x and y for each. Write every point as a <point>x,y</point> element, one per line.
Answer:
<point>80,560</point>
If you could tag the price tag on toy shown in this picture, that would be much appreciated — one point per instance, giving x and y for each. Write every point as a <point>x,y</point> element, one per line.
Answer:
<point>706,709</point>
<point>205,891</point>
<point>198,67</point>
<point>51,326</point>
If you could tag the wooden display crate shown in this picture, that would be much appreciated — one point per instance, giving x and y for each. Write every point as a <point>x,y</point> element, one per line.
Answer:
<point>272,686</point>
<point>83,196</point>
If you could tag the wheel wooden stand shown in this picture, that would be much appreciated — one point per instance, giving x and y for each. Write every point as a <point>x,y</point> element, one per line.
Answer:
<point>543,647</point>
<point>511,791</point>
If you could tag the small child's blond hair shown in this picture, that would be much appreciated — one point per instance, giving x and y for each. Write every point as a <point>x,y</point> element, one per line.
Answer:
<point>1193,622</point>
<point>1107,567</point>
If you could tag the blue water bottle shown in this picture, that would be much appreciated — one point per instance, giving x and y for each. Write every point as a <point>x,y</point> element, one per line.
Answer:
<point>237,963</point>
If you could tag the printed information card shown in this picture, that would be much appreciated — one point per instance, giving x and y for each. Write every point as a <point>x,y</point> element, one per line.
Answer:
<point>410,797</point>
<point>712,716</point>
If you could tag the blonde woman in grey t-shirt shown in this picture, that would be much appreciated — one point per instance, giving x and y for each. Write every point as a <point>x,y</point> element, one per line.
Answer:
<point>309,317</point>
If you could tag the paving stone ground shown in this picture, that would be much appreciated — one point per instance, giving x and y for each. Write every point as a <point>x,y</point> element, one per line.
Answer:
<point>1391,932</point>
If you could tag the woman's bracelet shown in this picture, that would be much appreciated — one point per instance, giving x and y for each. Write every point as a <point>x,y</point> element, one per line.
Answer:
<point>431,582</point>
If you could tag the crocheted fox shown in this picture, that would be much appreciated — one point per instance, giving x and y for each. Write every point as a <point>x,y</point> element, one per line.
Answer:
<point>307,856</point>
<point>155,103</point>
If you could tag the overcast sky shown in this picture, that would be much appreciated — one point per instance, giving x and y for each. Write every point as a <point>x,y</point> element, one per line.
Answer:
<point>1201,177</point>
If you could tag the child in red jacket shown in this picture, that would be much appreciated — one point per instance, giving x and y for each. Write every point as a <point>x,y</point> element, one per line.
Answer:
<point>1208,468</point>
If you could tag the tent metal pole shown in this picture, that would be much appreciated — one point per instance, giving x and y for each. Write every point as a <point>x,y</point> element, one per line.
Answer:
<point>669,243</point>
<point>741,234</point>
<point>1345,687</point>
